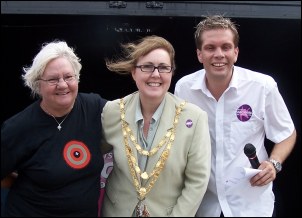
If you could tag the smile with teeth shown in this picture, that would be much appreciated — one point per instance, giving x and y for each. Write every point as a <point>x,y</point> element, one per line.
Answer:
<point>218,64</point>
<point>154,84</point>
<point>65,93</point>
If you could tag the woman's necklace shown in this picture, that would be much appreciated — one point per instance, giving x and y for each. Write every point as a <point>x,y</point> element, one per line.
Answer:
<point>136,172</point>
<point>59,123</point>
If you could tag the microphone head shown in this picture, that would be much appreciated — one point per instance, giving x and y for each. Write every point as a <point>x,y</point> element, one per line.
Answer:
<point>250,150</point>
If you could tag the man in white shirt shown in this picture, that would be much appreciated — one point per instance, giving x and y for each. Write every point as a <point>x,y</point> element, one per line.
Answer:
<point>243,107</point>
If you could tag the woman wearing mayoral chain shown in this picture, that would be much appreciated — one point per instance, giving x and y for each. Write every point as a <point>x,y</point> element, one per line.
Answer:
<point>161,144</point>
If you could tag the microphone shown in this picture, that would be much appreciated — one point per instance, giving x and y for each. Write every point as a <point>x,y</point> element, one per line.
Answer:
<point>250,152</point>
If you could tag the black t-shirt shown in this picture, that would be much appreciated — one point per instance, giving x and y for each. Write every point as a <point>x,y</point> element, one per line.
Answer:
<point>58,171</point>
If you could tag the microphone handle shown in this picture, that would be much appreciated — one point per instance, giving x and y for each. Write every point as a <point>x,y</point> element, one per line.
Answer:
<point>254,162</point>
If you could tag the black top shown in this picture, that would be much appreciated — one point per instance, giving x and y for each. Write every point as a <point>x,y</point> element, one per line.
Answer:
<point>58,171</point>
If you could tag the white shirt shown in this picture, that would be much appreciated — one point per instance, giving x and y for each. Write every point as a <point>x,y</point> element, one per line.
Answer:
<point>249,109</point>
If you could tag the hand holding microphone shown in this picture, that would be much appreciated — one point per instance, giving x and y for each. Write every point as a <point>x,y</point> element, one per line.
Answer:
<point>250,152</point>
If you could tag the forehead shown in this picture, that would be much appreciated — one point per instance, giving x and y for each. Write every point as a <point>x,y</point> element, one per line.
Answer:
<point>58,65</point>
<point>217,36</point>
<point>158,55</point>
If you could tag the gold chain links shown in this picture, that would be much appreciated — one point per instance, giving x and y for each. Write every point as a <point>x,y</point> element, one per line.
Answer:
<point>132,162</point>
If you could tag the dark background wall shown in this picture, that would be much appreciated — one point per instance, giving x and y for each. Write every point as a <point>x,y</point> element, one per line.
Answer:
<point>271,46</point>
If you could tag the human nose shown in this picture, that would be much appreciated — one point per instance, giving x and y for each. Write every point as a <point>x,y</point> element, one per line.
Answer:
<point>218,52</point>
<point>155,72</point>
<point>61,79</point>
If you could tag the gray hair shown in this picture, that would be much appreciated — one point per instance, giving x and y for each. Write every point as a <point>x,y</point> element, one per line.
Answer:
<point>49,52</point>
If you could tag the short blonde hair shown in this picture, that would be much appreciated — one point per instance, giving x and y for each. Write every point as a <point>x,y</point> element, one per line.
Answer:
<point>215,22</point>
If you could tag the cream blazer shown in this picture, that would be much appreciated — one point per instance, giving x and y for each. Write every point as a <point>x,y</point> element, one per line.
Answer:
<point>182,183</point>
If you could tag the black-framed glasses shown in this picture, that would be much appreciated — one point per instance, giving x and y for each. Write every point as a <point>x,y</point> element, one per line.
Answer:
<point>55,81</point>
<point>150,68</point>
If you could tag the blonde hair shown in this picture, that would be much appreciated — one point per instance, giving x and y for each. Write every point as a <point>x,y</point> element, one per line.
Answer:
<point>133,51</point>
<point>215,22</point>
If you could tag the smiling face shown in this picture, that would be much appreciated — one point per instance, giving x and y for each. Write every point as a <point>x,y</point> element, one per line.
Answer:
<point>218,53</point>
<point>58,99</point>
<point>153,86</point>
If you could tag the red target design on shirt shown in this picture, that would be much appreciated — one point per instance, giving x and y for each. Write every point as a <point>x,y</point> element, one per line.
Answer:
<point>76,154</point>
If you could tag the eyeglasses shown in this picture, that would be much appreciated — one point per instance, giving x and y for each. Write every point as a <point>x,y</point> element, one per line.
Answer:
<point>55,81</point>
<point>151,68</point>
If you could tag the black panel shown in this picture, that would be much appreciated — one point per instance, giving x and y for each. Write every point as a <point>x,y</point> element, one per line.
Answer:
<point>271,46</point>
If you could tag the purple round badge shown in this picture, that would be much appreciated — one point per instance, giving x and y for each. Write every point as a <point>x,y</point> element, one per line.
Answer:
<point>244,112</point>
<point>189,123</point>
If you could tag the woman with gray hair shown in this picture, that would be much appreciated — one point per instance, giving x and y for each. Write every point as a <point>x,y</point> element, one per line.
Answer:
<point>54,143</point>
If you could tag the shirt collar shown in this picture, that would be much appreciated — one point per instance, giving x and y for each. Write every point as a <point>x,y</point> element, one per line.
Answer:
<point>235,78</point>
<point>200,81</point>
<point>156,116</point>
